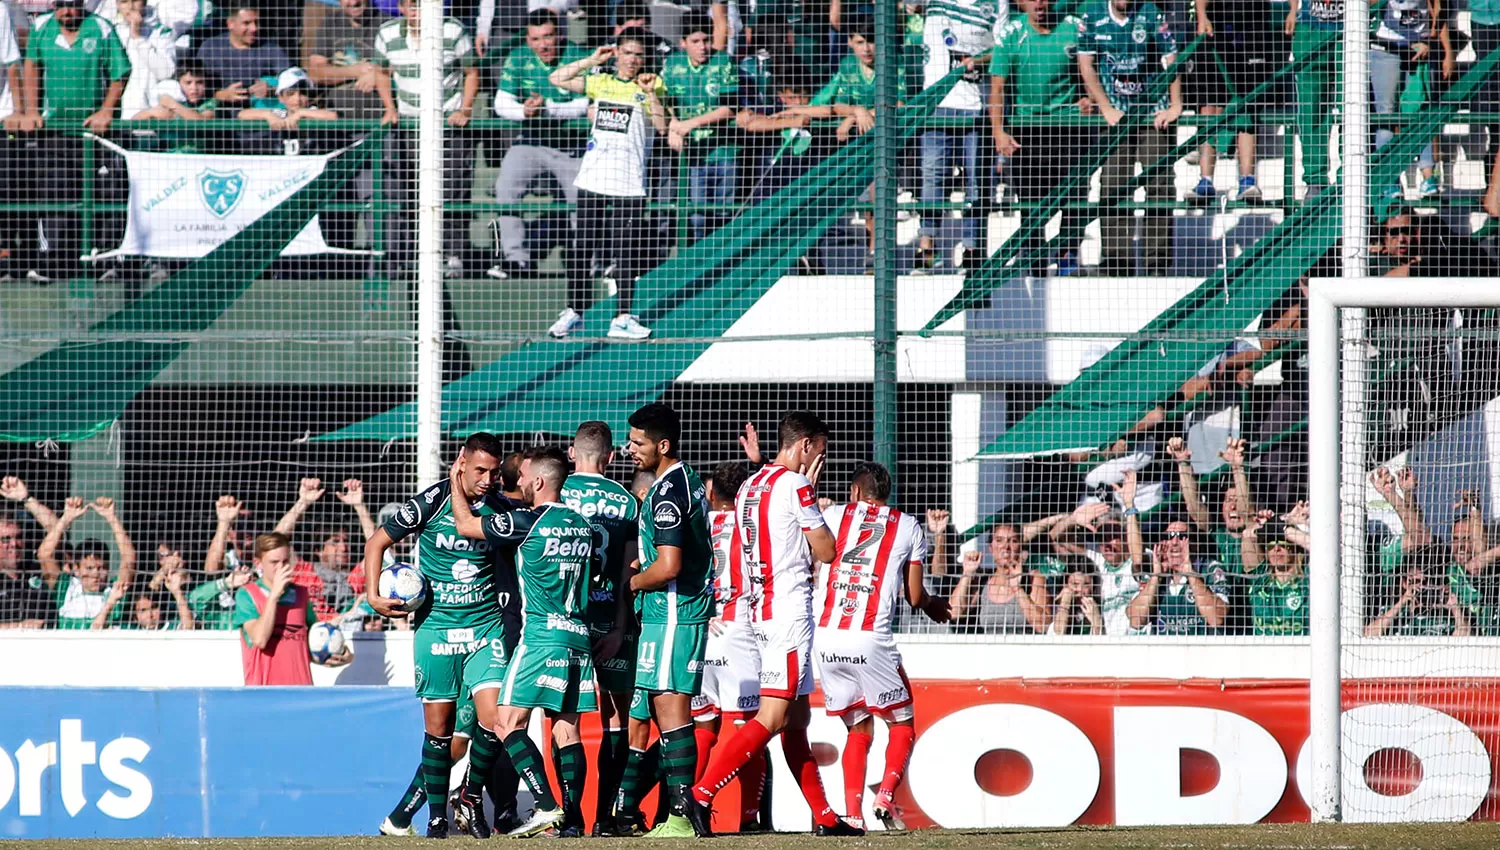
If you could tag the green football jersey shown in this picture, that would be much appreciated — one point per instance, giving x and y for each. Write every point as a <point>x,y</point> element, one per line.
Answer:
<point>1227,545</point>
<point>524,75</point>
<point>1177,605</point>
<point>75,76</point>
<point>1277,608</point>
<point>460,572</point>
<point>854,84</point>
<point>698,89</point>
<point>675,513</point>
<point>1430,622</point>
<point>554,549</point>
<point>1128,53</point>
<point>614,513</point>
<point>1040,70</point>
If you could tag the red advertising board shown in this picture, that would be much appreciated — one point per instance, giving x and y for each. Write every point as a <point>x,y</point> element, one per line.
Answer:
<point>1131,751</point>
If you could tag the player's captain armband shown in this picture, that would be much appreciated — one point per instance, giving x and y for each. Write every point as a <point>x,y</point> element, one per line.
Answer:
<point>806,497</point>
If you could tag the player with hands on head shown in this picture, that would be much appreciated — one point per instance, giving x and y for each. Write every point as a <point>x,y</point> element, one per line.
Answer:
<point>781,533</point>
<point>731,664</point>
<point>458,644</point>
<point>552,668</point>
<point>879,555</point>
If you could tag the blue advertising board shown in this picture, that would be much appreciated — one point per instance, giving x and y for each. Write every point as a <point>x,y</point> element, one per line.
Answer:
<point>231,762</point>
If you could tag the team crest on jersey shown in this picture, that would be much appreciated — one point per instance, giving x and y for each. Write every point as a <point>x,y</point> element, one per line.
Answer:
<point>1294,602</point>
<point>711,89</point>
<point>503,524</point>
<point>1139,34</point>
<point>666,515</point>
<point>221,191</point>
<point>89,45</point>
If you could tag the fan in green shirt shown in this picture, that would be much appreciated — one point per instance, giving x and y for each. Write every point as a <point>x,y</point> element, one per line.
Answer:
<point>1427,606</point>
<point>81,66</point>
<point>703,89</point>
<point>551,117</point>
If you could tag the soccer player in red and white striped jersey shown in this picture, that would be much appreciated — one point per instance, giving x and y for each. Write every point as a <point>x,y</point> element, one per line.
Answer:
<point>731,665</point>
<point>781,532</point>
<point>878,557</point>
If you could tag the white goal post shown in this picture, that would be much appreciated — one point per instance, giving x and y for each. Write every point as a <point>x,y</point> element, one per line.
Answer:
<point>1338,358</point>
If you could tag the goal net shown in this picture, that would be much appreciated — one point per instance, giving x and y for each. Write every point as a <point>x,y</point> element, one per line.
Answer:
<point>1404,587</point>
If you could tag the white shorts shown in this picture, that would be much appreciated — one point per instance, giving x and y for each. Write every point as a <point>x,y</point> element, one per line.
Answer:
<point>785,656</point>
<point>731,673</point>
<point>861,675</point>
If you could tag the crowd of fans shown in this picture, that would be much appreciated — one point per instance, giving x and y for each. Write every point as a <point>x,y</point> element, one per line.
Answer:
<point>1150,551</point>
<point>749,96</point>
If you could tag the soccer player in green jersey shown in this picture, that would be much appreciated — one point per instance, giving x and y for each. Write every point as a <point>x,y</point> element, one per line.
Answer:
<point>457,644</point>
<point>552,667</point>
<point>612,511</point>
<point>675,601</point>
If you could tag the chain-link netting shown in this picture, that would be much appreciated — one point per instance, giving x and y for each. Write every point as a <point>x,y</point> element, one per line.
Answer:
<point>1079,338</point>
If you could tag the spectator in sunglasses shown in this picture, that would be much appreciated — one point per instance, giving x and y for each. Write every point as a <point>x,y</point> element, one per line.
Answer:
<point>1183,595</point>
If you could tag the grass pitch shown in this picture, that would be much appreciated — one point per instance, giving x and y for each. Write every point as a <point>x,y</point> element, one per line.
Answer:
<point>1459,836</point>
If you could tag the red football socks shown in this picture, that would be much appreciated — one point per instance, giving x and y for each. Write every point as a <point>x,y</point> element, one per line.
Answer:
<point>799,759</point>
<point>897,754</point>
<point>752,780</point>
<point>732,756</point>
<point>706,738</point>
<point>856,756</point>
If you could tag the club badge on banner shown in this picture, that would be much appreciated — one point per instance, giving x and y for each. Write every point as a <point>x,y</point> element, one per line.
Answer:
<point>185,205</point>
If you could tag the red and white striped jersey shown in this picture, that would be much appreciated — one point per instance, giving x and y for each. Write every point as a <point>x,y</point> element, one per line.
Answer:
<point>775,505</point>
<point>874,545</point>
<point>730,580</point>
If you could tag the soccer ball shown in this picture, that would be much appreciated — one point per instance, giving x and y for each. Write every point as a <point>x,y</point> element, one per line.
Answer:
<point>403,582</point>
<point>324,640</point>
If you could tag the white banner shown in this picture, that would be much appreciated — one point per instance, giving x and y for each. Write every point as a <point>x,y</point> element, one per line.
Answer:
<point>186,205</point>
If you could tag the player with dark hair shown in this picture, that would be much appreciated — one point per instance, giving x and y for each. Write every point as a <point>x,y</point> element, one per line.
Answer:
<point>878,557</point>
<point>552,667</point>
<point>458,643</point>
<point>614,513</point>
<point>675,600</point>
<point>781,532</point>
<point>731,665</point>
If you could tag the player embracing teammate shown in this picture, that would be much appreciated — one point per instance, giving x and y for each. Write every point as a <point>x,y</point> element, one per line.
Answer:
<point>781,532</point>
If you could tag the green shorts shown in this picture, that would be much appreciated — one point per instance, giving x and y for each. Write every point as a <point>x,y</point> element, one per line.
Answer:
<point>456,662</point>
<point>616,675</point>
<point>640,706</point>
<point>556,677</point>
<point>670,659</point>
